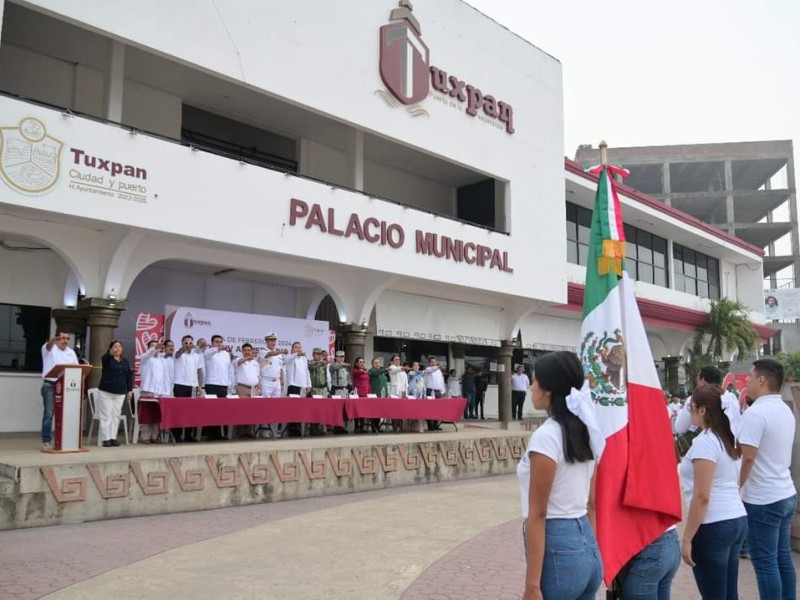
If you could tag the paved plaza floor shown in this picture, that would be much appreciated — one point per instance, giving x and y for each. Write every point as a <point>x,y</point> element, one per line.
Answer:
<point>442,541</point>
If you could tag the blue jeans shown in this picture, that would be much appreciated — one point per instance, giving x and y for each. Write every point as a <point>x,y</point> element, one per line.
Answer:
<point>470,410</point>
<point>649,574</point>
<point>715,552</point>
<point>571,569</point>
<point>47,415</point>
<point>770,548</point>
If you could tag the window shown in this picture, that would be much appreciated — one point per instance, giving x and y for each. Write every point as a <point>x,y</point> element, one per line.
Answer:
<point>696,273</point>
<point>579,226</point>
<point>23,330</point>
<point>645,253</point>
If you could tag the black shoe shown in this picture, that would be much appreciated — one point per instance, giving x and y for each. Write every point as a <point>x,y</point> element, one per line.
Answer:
<point>107,444</point>
<point>192,440</point>
<point>114,443</point>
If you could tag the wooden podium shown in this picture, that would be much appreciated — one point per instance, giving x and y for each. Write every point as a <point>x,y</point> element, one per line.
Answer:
<point>68,407</point>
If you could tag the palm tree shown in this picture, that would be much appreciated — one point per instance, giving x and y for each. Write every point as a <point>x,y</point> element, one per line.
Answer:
<point>728,328</point>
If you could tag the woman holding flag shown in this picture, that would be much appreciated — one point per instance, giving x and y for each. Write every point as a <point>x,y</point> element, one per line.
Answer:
<point>556,476</point>
<point>716,525</point>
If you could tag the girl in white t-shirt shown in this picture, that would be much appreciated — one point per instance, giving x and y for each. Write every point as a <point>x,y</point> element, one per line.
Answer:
<point>558,500</point>
<point>716,524</point>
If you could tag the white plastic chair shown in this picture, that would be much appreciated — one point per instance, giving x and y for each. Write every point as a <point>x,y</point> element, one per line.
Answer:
<point>91,395</point>
<point>133,409</point>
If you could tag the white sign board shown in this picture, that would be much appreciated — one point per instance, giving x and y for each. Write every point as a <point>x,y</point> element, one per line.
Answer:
<point>238,328</point>
<point>782,304</point>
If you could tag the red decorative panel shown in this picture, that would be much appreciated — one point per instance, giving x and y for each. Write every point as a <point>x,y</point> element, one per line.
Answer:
<point>256,474</point>
<point>367,465</point>
<point>500,448</point>
<point>342,467</point>
<point>316,469</point>
<point>450,456</point>
<point>467,452</point>
<point>223,476</point>
<point>388,461</point>
<point>411,461</point>
<point>71,489</point>
<point>484,454</point>
<point>154,483</point>
<point>114,486</point>
<point>288,471</point>
<point>190,480</point>
<point>429,454</point>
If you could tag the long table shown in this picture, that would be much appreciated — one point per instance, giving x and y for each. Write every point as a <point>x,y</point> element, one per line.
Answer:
<point>200,412</point>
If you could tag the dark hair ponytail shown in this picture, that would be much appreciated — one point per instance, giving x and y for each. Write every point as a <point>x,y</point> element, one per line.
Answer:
<point>710,398</point>
<point>557,373</point>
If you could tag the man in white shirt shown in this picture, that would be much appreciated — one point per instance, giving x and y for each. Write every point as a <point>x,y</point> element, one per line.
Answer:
<point>298,379</point>
<point>434,384</point>
<point>519,387</point>
<point>55,351</point>
<point>272,380</point>
<point>217,360</point>
<point>247,373</point>
<point>188,380</point>
<point>769,495</point>
<point>217,375</point>
<point>157,373</point>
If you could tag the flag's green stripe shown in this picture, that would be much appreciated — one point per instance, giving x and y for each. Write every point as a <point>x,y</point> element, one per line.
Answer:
<point>598,286</point>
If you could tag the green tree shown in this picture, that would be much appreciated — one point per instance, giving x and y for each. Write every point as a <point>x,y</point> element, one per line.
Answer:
<point>728,329</point>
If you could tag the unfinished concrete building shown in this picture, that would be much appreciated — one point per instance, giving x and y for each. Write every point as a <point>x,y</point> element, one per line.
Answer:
<point>744,188</point>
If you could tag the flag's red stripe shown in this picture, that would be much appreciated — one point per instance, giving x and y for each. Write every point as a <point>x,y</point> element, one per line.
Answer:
<point>634,507</point>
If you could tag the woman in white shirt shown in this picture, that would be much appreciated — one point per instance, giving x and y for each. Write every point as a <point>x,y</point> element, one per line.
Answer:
<point>716,525</point>
<point>558,500</point>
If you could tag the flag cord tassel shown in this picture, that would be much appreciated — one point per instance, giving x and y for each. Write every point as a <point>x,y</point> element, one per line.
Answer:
<point>610,261</point>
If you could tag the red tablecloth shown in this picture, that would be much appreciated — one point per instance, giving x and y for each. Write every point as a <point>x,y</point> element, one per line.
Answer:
<point>441,409</point>
<point>199,412</point>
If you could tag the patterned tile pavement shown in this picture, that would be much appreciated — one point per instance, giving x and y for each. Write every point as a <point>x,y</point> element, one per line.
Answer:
<point>488,565</point>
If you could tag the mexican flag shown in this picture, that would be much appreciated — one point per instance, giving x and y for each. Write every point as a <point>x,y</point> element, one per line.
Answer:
<point>637,491</point>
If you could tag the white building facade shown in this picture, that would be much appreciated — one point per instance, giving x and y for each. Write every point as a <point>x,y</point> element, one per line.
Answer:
<point>404,169</point>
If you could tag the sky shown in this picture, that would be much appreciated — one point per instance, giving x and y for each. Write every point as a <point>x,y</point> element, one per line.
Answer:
<point>653,73</point>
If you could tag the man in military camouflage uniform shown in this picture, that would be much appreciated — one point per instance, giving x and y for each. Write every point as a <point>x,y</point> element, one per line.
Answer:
<point>318,369</point>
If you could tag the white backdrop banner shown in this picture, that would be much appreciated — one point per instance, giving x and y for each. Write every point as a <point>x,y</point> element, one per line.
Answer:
<point>238,328</point>
<point>782,304</point>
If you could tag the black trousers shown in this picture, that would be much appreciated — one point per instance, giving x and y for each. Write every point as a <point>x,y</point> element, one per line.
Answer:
<point>432,425</point>
<point>220,391</point>
<point>179,433</point>
<point>517,400</point>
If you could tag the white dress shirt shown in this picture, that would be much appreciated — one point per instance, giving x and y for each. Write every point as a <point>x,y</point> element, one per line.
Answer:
<point>186,367</point>
<point>218,367</point>
<point>297,371</point>
<point>56,356</point>
<point>247,372</point>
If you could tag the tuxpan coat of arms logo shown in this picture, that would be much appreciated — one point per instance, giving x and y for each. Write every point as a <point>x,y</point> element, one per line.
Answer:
<point>604,362</point>
<point>30,160</point>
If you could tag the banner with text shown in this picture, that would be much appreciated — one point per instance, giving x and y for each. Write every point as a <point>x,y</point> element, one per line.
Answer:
<point>238,328</point>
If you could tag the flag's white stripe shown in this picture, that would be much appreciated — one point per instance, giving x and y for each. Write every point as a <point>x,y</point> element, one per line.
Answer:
<point>612,209</point>
<point>605,318</point>
<point>641,368</point>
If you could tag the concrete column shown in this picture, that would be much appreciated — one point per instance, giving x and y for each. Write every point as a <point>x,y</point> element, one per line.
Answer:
<point>675,370</point>
<point>790,182</point>
<point>115,82</point>
<point>303,157</point>
<point>666,184</point>
<point>504,358</point>
<point>355,159</point>
<point>670,264</point>
<point>355,338</point>
<point>2,9</point>
<point>730,217</point>
<point>102,317</point>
